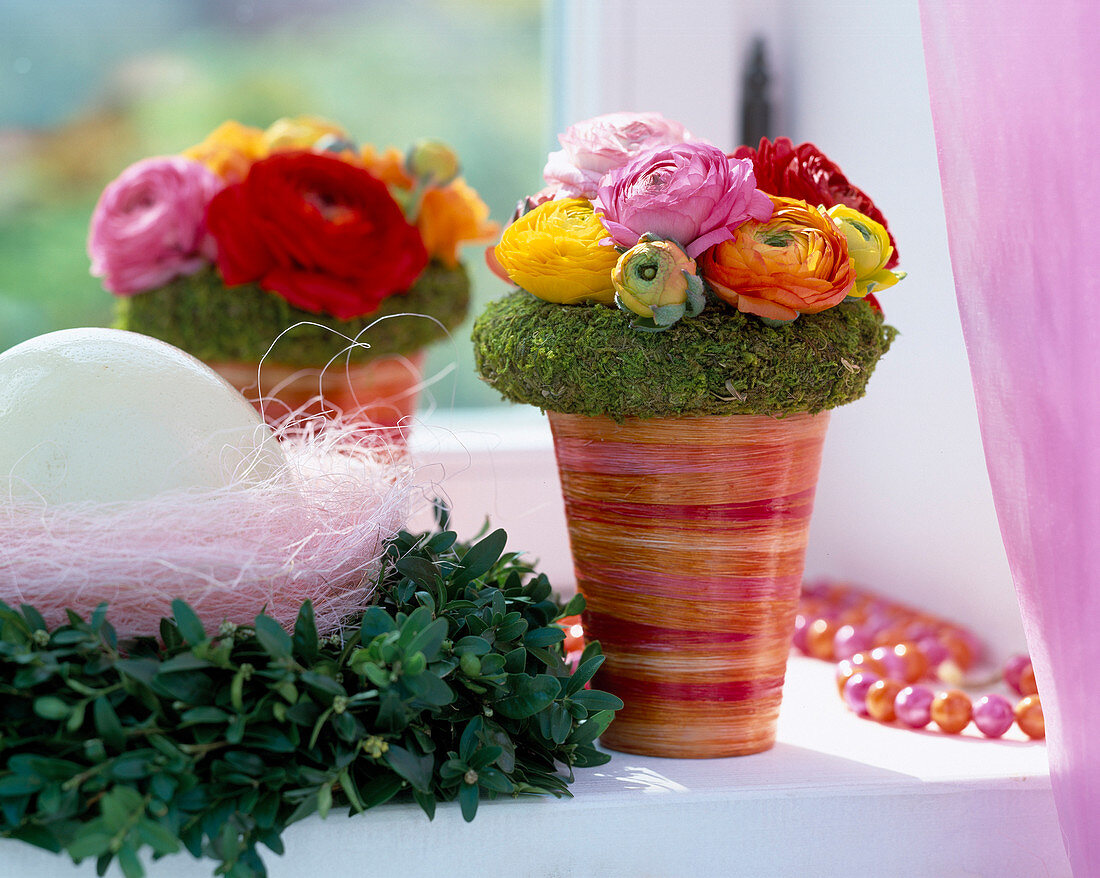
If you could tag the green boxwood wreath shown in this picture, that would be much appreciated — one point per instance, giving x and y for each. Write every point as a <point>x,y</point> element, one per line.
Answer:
<point>586,359</point>
<point>238,324</point>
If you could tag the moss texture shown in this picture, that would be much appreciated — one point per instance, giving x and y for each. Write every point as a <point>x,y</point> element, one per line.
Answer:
<point>214,322</point>
<point>587,360</point>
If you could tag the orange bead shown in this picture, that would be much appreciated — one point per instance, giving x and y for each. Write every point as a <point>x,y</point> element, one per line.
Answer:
<point>890,636</point>
<point>960,650</point>
<point>862,661</point>
<point>951,711</point>
<point>880,700</point>
<point>1027,681</point>
<point>819,638</point>
<point>1029,717</point>
<point>854,616</point>
<point>913,661</point>
<point>844,670</point>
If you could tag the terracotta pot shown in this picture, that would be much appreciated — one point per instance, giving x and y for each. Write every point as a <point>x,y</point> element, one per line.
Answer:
<point>689,538</point>
<point>382,391</point>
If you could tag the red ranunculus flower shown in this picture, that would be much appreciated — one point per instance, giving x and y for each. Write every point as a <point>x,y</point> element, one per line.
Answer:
<point>806,173</point>
<point>322,233</point>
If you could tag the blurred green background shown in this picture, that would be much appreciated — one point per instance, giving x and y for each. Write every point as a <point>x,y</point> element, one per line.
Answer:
<point>86,88</point>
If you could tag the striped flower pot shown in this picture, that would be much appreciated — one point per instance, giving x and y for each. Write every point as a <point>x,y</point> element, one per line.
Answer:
<point>689,538</point>
<point>382,391</point>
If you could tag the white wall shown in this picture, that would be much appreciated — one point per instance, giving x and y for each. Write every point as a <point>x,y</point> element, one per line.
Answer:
<point>904,504</point>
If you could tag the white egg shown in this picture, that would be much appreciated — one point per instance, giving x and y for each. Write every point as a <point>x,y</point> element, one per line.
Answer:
<point>104,415</point>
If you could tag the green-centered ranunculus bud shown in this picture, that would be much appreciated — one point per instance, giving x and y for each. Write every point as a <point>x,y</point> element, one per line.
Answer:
<point>656,280</point>
<point>432,162</point>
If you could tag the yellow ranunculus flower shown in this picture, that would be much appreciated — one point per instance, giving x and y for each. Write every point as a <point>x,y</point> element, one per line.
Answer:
<point>229,150</point>
<point>302,132</point>
<point>869,250</point>
<point>554,252</point>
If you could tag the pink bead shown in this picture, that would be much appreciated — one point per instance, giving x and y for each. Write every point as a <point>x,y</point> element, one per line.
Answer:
<point>934,651</point>
<point>993,715</point>
<point>913,706</point>
<point>896,666</point>
<point>855,691</point>
<point>1014,668</point>
<point>849,640</point>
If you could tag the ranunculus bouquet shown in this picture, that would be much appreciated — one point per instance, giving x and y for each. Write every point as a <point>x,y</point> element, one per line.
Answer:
<point>687,317</point>
<point>222,248</point>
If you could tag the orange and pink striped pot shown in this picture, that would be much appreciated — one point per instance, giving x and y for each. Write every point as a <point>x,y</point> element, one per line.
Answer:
<point>689,538</point>
<point>381,392</point>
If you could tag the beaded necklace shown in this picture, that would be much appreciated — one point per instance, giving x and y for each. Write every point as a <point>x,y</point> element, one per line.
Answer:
<point>884,650</point>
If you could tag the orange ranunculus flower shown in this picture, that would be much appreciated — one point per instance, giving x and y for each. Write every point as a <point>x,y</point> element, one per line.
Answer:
<point>293,133</point>
<point>229,150</point>
<point>795,263</point>
<point>388,166</point>
<point>452,215</point>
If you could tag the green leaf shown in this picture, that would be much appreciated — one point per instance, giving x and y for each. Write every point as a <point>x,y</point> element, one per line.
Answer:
<point>591,728</point>
<point>204,715</point>
<point>324,799</point>
<point>473,645</point>
<point>583,674</point>
<point>590,757</point>
<point>544,636</point>
<point>416,768</point>
<point>129,863</point>
<point>561,724</point>
<point>493,779</point>
<point>142,670</point>
<point>420,570</point>
<point>307,646</point>
<point>575,607</point>
<point>34,618</point>
<point>322,683</point>
<point>481,557</point>
<point>467,798</point>
<point>470,737</point>
<point>529,695</point>
<point>515,661</point>
<point>426,801</point>
<point>275,641</point>
<point>107,724</point>
<point>188,623</point>
<point>441,542</point>
<point>15,785</point>
<point>118,806</point>
<point>51,707</point>
<point>375,621</point>
<point>157,837</point>
<point>429,640</point>
<point>594,699</point>
<point>379,789</point>
<point>88,844</point>
<point>429,689</point>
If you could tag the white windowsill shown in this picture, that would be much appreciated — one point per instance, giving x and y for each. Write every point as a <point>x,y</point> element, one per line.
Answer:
<point>837,796</point>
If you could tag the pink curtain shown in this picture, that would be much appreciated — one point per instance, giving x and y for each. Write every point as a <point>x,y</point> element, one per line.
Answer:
<point>1015,91</point>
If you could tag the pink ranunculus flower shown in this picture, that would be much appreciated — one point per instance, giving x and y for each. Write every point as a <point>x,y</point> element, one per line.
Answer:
<point>690,193</point>
<point>149,225</point>
<point>590,149</point>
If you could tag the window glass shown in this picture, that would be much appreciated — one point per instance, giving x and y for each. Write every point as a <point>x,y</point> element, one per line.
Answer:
<point>88,88</point>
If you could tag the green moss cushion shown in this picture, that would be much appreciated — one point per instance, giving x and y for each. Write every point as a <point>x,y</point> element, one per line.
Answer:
<point>218,323</point>
<point>585,359</point>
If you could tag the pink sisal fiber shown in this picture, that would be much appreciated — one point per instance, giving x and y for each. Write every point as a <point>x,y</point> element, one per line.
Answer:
<point>315,529</point>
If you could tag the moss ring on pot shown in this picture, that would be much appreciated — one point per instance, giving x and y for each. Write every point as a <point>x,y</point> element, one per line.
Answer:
<point>587,360</point>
